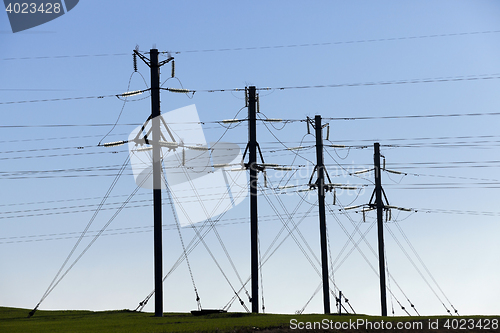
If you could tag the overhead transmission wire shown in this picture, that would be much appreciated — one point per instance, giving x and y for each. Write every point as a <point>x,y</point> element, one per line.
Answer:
<point>30,238</point>
<point>69,207</point>
<point>339,85</point>
<point>64,99</point>
<point>362,84</point>
<point>335,267</point>
<point>63,125</point>
<point>350,239</point>
<point>27,174</point>
<point>68,56</point>
<point>422,209</point>
<point>335,288</point>
<point>338,300</point>
<point>289,234</point>
<point>444,165</point>
<point>439,142</point>
<point>293,161</point>
<point>124,102</point>
<point>457,34</point>
<point>338,42</point>
<point>268,253</point>
<point>37,210</point>
<point>115,231</point>
<point>311,143</point>
<point>417,269</point>
<point>347,171</point>
<point>57,138</point>
<point>355,244</point>
<point>180,83</point>
<point>460,137</point>
<point>424,266</point>
<point>285,223</point>
<point>285,146</point>
<point>57,155</point>
<point>61,200</point>
<point>470,114</point>
<point>44,149</point>
<point>57,279</point>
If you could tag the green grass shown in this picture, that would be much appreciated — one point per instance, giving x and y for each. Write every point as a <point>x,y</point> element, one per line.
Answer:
<point>15,320</point>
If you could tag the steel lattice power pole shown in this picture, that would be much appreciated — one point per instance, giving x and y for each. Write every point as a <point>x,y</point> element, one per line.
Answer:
<point>252,161</point>
<point>322,217</point>
<point>380,227</point>
<point>155,115</point>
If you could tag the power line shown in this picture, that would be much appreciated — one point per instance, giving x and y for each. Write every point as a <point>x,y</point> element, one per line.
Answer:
<point>66,200</point>
<point>76,98</point>
<point>353,84</point>
<point>44,149</point>
<point>394,82</point>
<point>68,56</point>
<point>339,85</point>
<point>419,116</point>
<point>59,138</point>
<point>337,42</point>
<point>359,41</point>
<point>58,99</point>
<point>428,138</point>
<point>28,89</point>
<point>57,155</point>
<point>357,84</point>
<point>83,136</point>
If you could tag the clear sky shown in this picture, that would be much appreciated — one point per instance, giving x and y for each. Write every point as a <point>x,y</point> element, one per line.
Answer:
<point>383,60</point>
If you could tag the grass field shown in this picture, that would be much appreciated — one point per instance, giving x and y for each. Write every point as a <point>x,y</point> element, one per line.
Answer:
<point>15,320</point>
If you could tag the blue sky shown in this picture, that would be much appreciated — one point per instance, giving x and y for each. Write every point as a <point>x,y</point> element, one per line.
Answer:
<point>365,46</point>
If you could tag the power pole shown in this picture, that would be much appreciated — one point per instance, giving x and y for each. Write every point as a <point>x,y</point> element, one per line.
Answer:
<point>252,161</point>
<point>157,216</point>
<point>155,65</point>
<point>380,227</point>
<point>340,302</point>
<point>322,217</point>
